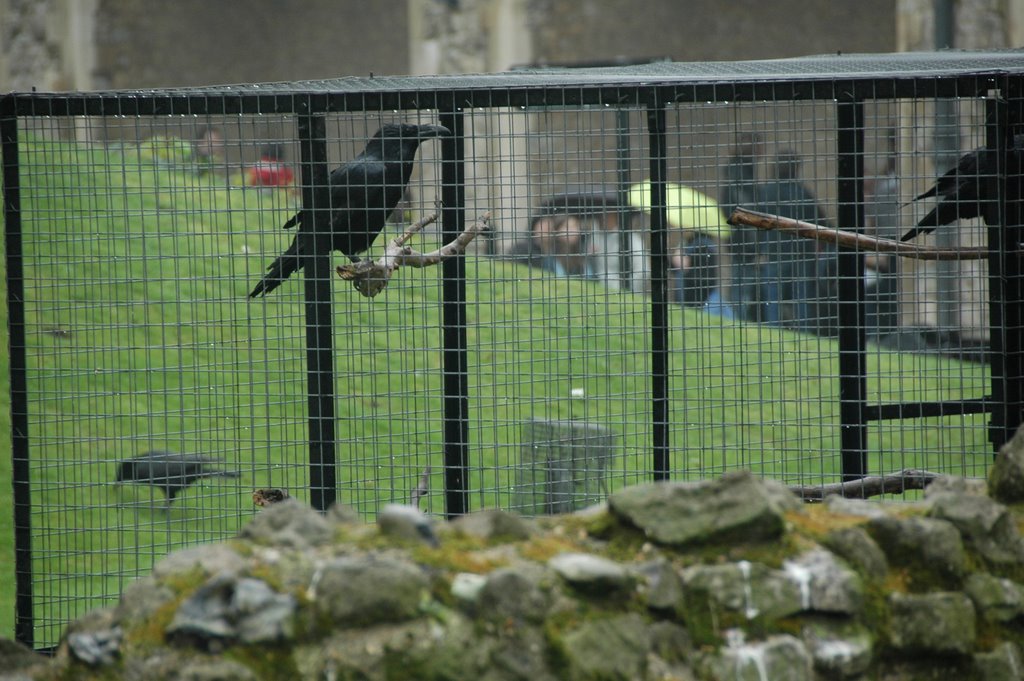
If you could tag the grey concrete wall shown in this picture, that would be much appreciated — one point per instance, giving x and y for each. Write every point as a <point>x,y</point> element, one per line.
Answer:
<point>709,30</point>
<point>91,44</point>
<point>104,44</point>
<point>193,42</point>
<point>39,44</point>
<point>99,44</point>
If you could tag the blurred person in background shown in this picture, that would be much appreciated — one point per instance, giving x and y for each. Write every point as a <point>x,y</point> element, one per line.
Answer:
<point>577,235</point>
<point>271,171</point>
<point>739,188</point>
<point>881,270</point>
<point>787,265</point>
<point>694,266</point>
<point>208,150</point>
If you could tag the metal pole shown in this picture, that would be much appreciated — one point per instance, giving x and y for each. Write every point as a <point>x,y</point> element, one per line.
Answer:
<point>24,624</point>
<point>852,331</point>
<point>659,289</point>
<point>315,251</point>
<point>946,148</point>
<point>1006,280</point>
<point>455,358</point>
<point>622,198</point>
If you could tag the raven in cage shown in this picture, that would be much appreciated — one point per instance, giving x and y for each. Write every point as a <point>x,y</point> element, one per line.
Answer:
<point>964,191</point>
<point>364,192</point>
<point>169,471</point>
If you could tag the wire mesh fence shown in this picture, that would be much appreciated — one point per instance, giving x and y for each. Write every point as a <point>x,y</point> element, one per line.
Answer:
<point>610,326</point>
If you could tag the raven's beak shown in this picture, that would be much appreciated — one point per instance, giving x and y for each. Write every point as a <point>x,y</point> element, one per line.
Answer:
<point>428,131</point>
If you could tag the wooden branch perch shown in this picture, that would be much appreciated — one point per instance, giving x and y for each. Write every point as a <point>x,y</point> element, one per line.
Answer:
<point>870,486</point>
<point>852,240</point>
<point>370,277</point>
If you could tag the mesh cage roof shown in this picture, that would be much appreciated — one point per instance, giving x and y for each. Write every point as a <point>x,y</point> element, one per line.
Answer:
<point>947,63</point>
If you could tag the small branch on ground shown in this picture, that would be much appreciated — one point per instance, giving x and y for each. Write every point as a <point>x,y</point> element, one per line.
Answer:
<point>852,240</point>
<point>370,277</point>
<point>870,486</point>
<point>422,487</point>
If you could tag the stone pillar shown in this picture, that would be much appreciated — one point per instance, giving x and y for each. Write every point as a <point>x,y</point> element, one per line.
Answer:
<point>47,44</point>
<point>563,466</point>
<point>977,24</point>
<point>481,36</point>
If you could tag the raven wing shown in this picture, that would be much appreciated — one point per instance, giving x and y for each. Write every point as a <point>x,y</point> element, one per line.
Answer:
<point>363,195</point>
<point>960,192</point>
<point>946,185</point>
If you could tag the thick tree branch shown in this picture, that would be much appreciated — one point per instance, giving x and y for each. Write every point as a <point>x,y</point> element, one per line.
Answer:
<point>870,486</point>
<point>852,240</point>
<point>372,277</point>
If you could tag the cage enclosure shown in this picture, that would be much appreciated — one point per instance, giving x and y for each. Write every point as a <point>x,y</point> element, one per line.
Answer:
<point>609,327</point>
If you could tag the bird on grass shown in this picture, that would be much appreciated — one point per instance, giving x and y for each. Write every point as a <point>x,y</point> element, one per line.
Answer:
<point>169,471</point>
<point>964,191</point>
<point>268,496</point>
<point>364,192</point>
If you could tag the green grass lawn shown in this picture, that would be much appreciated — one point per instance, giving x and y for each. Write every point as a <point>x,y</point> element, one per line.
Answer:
<point>140,337</point>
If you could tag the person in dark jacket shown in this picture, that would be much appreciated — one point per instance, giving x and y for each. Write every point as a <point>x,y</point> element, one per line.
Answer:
<point>739,188</point>
<point>695,263</point>
<point>786,264</point>
<point>882,270</point>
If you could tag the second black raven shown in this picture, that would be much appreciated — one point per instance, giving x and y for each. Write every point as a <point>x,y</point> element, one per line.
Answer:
<point>963,192</point>
<point>169,471</point>
<point>364,192</point>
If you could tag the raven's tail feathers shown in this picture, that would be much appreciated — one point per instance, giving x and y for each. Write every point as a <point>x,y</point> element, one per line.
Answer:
<point>934,191</point>
<point>279,270</point>
<point>914,232</point>
<point>927,224</point>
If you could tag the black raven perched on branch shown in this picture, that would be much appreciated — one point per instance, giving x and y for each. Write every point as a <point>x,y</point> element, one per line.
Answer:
<point>364,191</point>
<point>963,192</point>
<point>169,471</point>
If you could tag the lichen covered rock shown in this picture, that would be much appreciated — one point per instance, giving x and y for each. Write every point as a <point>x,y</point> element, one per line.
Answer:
<point>289,524</point>
<point>368,589</point>
<point>728,579</point>
<point>779,658</point>
<point>996,599</point>
<point>940,623</point>
<point>613,648</point>
<point>736,507</point>
<point>930,546</point>
<point>1006,477</point>
<point>985,525</point>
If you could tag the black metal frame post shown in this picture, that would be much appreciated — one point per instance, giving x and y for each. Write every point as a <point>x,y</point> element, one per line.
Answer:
<point>315,251</point>
<point>852,334</point>
<point>455,358</point>
<point>622,172</point>
<point>1013,270</point>
<point>24,618</point>
<point>659,290</point>
<point>1006,280</point>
